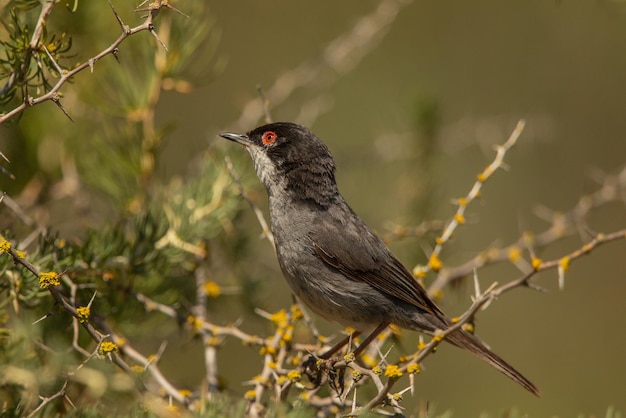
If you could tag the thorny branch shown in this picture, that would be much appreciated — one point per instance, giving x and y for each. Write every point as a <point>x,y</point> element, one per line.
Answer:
<point>612,188</point>
<point>66,75</point>
<point>34,42</point>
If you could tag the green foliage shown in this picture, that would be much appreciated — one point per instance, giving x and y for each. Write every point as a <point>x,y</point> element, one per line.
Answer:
<point>27,66</point>
<point>145,236</point>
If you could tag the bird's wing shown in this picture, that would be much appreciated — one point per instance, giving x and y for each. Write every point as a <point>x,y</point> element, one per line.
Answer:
<point>354,250</point>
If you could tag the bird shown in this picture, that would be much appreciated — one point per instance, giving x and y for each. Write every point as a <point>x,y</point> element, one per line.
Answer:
<point>332,261</point>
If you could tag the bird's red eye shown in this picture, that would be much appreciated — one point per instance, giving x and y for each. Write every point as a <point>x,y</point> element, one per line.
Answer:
<point>269,137</point>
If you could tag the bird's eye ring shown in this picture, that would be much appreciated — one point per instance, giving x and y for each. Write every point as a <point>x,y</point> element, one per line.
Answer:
<point>269,137</point>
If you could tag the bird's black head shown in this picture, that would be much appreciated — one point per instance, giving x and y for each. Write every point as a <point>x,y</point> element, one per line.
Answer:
<point>290,160</point>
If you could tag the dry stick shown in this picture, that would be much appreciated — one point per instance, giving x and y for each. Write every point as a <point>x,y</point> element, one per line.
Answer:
<point>65,75</point>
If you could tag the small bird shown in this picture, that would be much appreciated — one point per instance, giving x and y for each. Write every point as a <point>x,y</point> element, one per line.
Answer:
<point>331,259</point>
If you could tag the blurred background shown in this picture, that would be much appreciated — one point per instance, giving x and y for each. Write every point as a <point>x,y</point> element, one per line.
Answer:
<point>410,97</point>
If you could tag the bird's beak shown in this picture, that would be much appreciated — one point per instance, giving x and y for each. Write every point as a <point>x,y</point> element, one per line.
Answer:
<point>238,138</point>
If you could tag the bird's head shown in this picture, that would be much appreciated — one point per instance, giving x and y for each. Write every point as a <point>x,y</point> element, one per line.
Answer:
<point>289,158</point>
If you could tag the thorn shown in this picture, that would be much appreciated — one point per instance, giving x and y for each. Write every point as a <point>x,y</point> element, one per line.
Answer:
<point>116,54</point>
<point>124,27</point>
<point>169,6</point>
<point>55,99</point>
<point>536,287</point>
<point>561,279</point>
<point>6,173</point>
<point>92,298</point>
<point>4,157</point>
<point>153,32</point>
<point>48,315</point>
<point>90,62</point>
<point>476,284</point>
<point>56,65</point>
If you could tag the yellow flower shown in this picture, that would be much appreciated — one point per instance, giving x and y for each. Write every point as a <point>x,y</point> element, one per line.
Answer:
<point>20,254</point>
<point>267,349</point>
<point>250,395</point>
<point>212,289</point>
<point>468,327</point>
<point>184,392</point>
<point>413,368</point>
<point>279,318</point>
<point>107,347</point>
<point>196,323</point>
<point>294,376</point>
<point>393,371</point>
<point>377,370</point>
<point>564,263</point>
<point>48,279</point>
<point>435,263</point>
<point>536,263</point>
<point>296,313</point>
<point>5,245</point>
<point>83,313</point>
<point>287,335</point>
<point>514,254</point>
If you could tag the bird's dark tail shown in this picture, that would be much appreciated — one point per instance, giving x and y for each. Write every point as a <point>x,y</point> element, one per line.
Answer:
<point>468,342</point>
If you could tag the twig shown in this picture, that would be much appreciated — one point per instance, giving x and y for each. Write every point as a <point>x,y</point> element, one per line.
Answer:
<point>45,400</point>
<point>459,217</point>
<point>65,76</point>
<point>611,189</point>
<point>32,46</point>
